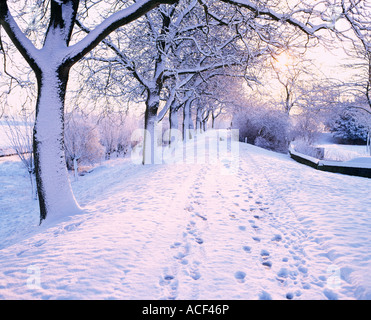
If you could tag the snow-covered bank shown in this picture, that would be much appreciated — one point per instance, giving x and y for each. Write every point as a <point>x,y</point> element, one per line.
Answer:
<point>274,230</point>
<point>340,152</point>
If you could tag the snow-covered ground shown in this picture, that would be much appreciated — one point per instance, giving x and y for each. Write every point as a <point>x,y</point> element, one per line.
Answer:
<point>272,229</point>
<point>341,152</point>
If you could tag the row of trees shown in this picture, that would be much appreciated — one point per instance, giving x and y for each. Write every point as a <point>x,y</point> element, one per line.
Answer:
<point>171,56</point>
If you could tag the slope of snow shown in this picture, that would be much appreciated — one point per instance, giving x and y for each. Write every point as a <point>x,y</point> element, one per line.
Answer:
<point>273,229</point>
<point>340,152</point>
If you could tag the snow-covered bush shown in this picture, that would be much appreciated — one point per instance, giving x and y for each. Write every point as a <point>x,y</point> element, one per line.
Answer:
<point>305,127</point>
<point>348,128</point>
<point>115,134</point>
<point>248,131</point>
<point>274,131</point>
<point>82,145</point>
<point>263,127</point>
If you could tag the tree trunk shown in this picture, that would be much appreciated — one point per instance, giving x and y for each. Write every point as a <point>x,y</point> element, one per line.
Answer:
<point>174,124</point>
<point>212,121</point>
<point>75,168</point>
<point>204,125</point>
<point>199,120</point>
<point>188,126</point>
<point>150,120</point>
<point>191,125</point>
<point>186,120</point>
<point>53,184</point>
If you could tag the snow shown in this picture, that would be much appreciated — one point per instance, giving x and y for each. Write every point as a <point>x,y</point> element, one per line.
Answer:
<point>270,229</point>
<point>340,152</point>
<point>360,160</point>
<point>304,156</point>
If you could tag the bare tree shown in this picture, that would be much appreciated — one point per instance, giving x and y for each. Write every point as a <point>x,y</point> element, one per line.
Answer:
<point>174,45</point>
<point>358,16</point>
<point>52,58</point>
<point>51,64</point>
<point>19,134</point>
<point>82,142</point>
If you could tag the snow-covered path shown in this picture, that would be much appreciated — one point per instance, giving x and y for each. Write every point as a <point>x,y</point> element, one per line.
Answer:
<point>272,230</point>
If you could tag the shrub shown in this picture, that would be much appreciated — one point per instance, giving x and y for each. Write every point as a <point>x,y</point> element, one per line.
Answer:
<point>263,127</point>
<point>348,128</point>
<point>115,134</point>
<point>81,142</point>
<point>306,127</point>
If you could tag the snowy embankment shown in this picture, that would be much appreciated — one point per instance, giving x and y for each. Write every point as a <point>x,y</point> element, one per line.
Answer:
<point>271,229</point>
<point>340,152</point>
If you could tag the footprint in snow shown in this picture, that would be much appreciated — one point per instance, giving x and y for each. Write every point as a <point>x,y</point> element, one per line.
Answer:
<point>39,243</point>
<point>72,226</point>
<point>200,216</point>
<point>21,252</point>
<point>189,208</point>
<point>240,276</point>
<point>175,245</point>
<point>195,274</point>
<point>289,295</point>
<point>265,296</point>
<point>265,255</point>
<point>180,256</point>
<point>277,238</point>
<point>169,286</point>
<point>267,264</point>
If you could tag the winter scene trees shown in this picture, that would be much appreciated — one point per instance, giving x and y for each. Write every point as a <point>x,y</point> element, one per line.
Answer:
<point>194,139</point>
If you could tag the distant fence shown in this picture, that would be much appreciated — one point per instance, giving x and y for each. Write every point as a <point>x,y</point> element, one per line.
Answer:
<point>332,166</point>
<point>9,153</point>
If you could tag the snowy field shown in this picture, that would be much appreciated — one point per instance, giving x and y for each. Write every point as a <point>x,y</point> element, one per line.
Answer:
<point>269,229</point>
<point>341,152</point>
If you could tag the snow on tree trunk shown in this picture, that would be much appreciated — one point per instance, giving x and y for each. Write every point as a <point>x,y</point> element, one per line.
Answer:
<point>187,121</point>
<point>75,168</point>
<point>199,120</point>
<point>150,134</point>
<point>174,123</point>
<point>53,185</point>
<point>204,125</point>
